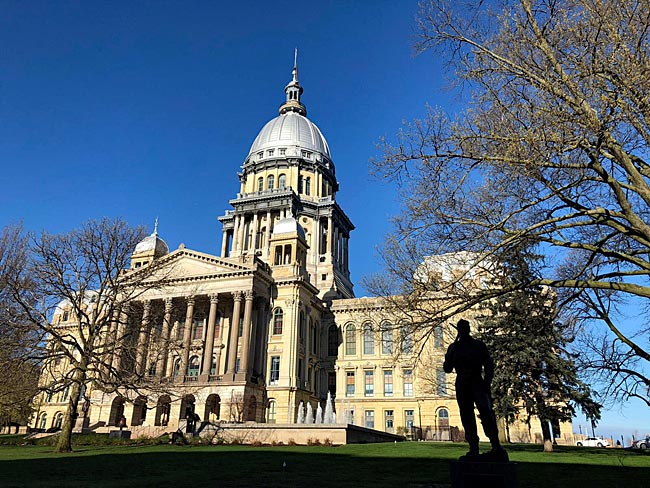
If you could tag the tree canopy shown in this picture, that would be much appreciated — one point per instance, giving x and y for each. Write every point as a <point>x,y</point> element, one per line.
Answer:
<point>551,149</point>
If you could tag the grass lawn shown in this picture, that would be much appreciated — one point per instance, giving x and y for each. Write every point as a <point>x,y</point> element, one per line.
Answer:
<point>403,465</point>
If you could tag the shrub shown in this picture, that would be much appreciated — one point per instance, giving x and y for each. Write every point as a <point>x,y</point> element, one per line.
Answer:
<point>328,442</point>
<point>291,442</point>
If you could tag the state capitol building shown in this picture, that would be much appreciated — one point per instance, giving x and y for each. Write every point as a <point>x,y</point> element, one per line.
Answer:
<point>272,321</point>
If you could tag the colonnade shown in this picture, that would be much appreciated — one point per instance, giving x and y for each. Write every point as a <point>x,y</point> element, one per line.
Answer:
<point>163,349</point>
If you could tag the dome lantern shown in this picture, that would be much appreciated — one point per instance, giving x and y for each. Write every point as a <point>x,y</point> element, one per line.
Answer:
<point>293,91</point>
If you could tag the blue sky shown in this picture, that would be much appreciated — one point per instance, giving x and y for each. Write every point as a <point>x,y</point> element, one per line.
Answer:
<point>147,109</point>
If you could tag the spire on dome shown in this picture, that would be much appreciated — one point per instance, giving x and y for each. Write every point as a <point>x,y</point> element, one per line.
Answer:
<point>293,91</point>
<point>155,227</point>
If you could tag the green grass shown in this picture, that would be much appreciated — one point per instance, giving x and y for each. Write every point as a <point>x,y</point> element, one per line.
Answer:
<point>378,465</point>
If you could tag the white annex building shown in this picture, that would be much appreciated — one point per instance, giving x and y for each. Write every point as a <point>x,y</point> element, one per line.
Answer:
<point>272,321</point>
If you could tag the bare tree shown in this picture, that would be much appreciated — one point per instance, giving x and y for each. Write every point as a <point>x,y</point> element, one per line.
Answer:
<point>75,289</point>
<point>551,151</point>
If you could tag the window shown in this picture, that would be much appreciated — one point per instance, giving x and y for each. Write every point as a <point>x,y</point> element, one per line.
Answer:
<point>389,420</point>
<point>368,339</point>
<point>441,382</point>
<point>332,340</point>
<point>370,419</point>
<point>274,376</point>
<point>282,182</point>
<point>48,396</point>
<point>307,186</point>
<point>443,413</point>
<point>237,363</point>
<point>407,340</point>
<point>331,383</point>
<point>260,154</point>
<point>312,334</point>
<point>66,316</point>
<point>197,329</point>
<point>388,382</point>
<point>241,326</point>
<point>270,181</point>
<point>306,154</point>
<point>301,328</point>
<point>58,420</point>
<point>260,184</point>
<point>300,184</point>
<point>408,419</point>
<point>270,152</point>
<point>370,383</point>
<point>408,382</point>
<point>213,366</point>
<point>64,395</point>
<point>350,340</point>
<point>349,383</point>
<point>177,366</point>
<point>437,337</point>
<point>387,339</point>
<point>277,321</point>
<point>43,422</point>
<point>193,366</point>
<point>282,151</point>
<point>271,412</point>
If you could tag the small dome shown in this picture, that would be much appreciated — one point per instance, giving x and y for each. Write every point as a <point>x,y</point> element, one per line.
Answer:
<point>291,130</point>
<point>288,226</point>
<point>152,243</point>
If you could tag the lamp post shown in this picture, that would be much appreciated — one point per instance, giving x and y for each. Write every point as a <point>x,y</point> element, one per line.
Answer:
<point>420,416</point>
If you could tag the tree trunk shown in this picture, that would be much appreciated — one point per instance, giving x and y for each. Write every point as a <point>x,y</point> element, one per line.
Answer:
<point>502,425</point>
<point>546,435</point>
<point>64,443</point>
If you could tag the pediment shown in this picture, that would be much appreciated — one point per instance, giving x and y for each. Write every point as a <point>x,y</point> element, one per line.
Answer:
<point>185,263</point>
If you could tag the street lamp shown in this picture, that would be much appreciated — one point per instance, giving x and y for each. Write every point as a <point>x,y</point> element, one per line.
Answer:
<point>420,415</point>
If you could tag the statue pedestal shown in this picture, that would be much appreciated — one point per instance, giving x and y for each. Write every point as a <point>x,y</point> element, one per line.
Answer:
<point>476,474</point>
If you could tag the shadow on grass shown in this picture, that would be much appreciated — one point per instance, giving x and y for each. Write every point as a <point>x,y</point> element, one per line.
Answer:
<point>377,465</point>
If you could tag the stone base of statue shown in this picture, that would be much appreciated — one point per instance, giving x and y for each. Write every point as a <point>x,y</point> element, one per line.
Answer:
<point>120,434</point>
<point>468,473</point>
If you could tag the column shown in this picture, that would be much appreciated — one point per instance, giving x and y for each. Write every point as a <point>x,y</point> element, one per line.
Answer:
<point>161,365</point>
<point>209,338</point>
<point>254,233</point>
<point>267,236</point>
<point>234,333</point>
<point>246,335</point>
<point>123,319</point>
<point>330,233</point>
<point>187,338</point>
<point>141,351</point>
<point>242,232</point>
<point>224,244</point>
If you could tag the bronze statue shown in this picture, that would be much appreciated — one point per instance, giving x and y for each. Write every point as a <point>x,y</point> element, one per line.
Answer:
<point>474,372</point>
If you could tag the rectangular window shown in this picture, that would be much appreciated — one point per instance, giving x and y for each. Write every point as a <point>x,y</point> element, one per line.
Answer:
<point>388,382</point>
<point>437,337</point>
<point>370,383</point>
<point>282,151</point>
<point>441,382</point>
<point>270,152</point>
<point>389,420</point>
<point>370,419</point>
<point>408,419</point>
<point>408,382</point>
<point>274,376</point>
<point>349,383</point>
<point>331,382</point>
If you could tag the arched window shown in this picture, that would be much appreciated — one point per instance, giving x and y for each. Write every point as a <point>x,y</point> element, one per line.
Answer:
<point>350,340</point>
<point>332,340</point>
<point>307,186</point>
<point>271,411</point>
<point>368,339</point>
<point>270,182</point>
<point>386,338</point>
<point>64,395</point>
<point>282,181</point>
<point>407,339</point>
<point>42,424</point>
<point>443,413</point>
<point>278,317</point>
<point>177,366</point>
<point>193,366</point>
<point>260,184</point>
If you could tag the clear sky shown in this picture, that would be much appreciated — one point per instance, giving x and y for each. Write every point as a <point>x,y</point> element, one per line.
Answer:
<point>147,109</point>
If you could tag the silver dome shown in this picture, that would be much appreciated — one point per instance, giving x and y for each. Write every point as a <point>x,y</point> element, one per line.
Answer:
<point>152,243</point>
<point>292,131</point>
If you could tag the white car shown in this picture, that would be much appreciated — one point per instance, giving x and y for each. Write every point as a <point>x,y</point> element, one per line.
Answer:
<point>593,442</point>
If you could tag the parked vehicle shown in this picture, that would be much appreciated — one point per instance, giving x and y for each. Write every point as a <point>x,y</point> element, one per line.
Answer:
<point>593,442</point>
<point>642,443</point>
